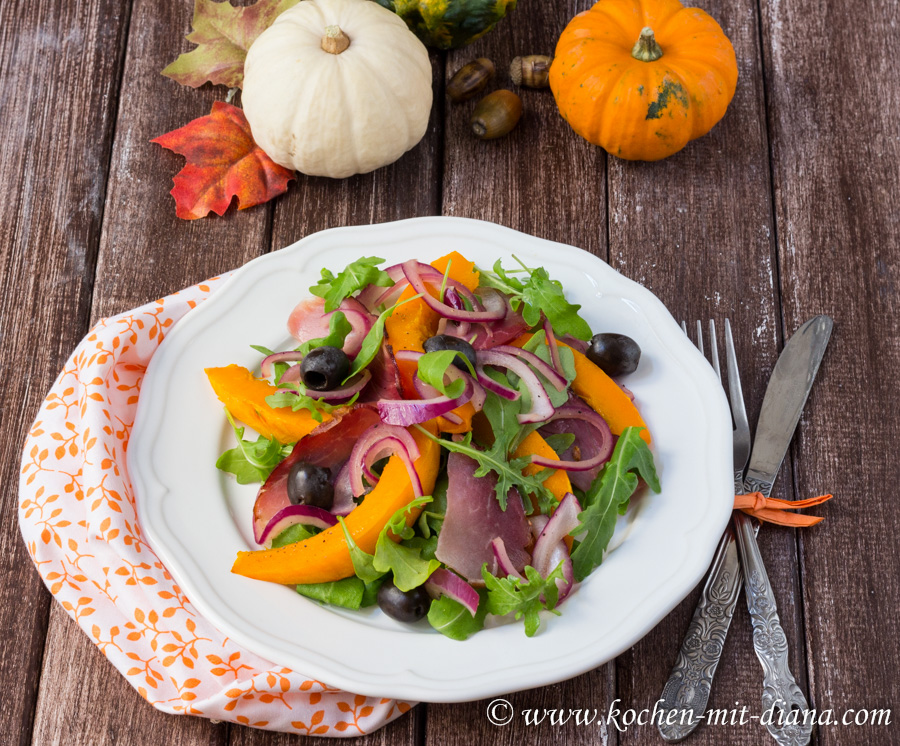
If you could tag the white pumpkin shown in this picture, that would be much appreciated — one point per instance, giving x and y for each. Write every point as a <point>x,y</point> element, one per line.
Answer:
<point>326,107</point>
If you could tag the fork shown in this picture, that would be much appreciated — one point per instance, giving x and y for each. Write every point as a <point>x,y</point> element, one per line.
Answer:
<point>687,690</point>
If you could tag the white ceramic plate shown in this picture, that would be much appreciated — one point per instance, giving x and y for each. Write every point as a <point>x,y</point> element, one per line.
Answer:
<point>198,518</point>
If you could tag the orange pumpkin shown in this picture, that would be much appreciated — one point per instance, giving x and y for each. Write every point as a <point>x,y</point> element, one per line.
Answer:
<point>642,78</point>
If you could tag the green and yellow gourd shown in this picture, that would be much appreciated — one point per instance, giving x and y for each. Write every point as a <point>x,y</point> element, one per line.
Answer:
<point>448,24</point>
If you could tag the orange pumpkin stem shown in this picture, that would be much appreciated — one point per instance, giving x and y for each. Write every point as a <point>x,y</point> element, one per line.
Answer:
<point>335,41</point>
<point>645,48</point>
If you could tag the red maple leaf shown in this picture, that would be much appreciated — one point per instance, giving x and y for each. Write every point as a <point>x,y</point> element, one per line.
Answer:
<point>223,162</point>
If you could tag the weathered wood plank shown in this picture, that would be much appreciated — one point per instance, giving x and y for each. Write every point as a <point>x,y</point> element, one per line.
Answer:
<point>697,230</point>
<point>835,153</point>
<point>540,179</point>
<point>60,65</point>
<point>145,252</point>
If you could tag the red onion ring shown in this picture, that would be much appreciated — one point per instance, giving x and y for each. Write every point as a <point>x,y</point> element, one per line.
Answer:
<point>553,346</point>
<point>557,380</point>
<point>504,563</point>
<point>411,270</point>
<point>606,443</point>
<point>442,582</point>
<point>541,407</point>
<point>550,548</point>
<point>404,447</point>
<point>309,515</point>
<point>267,366</point>
<point>345,392</point>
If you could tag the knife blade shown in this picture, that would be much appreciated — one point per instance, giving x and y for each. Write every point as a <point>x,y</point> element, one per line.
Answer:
<point>785,397</point>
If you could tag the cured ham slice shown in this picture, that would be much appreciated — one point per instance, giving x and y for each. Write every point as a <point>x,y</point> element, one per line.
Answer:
<point>474,519</point>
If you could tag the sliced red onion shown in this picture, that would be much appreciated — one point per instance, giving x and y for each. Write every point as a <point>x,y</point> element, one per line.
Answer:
<point>370,294</point>
<point>345,392</point>
<point>291,375</point>
<point>453,299</point>
<point>605,444</point>
<point>557,380</point>
<point>627,392</point>
<point>406,412</point>
<point>504,563</point>
<point>442,582</point>
<point>309,515</point>
<point>550,548</point>
<point>404,447</point>
<point>343,492</point>
<point>412,272</point>
<point>552,346</point>
<point>493,386</point>
<point>541,407</point>
<point>267,366</point>
<point>408,355</point>
<point>576,344</point>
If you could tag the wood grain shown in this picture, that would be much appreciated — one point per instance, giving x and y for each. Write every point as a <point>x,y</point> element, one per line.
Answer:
<point>543,180</point>
<point>835,152</point>
<point>145,252</point>
<point>60,66</point>
<point>697,229</point>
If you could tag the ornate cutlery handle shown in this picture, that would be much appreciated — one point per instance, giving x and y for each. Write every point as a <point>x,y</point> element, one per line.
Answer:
<point>781,695</point>
<point>687,690</point>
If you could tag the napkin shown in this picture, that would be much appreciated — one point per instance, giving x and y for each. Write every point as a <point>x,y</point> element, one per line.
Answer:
<point>78,518</point>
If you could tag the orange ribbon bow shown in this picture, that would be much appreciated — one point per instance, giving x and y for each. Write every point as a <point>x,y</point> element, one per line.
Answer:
<point>770,509</point>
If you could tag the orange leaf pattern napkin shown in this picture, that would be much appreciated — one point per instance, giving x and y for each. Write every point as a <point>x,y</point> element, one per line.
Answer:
<point>78,519</point>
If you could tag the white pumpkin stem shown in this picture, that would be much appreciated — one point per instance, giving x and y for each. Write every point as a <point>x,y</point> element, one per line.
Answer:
<point>335,41</point>
<point>645,48</point>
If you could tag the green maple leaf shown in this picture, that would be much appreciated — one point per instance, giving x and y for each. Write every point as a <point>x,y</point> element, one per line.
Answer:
<point>223,34</point>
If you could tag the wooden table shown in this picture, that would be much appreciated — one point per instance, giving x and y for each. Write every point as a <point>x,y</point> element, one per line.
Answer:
<point>789,208</point>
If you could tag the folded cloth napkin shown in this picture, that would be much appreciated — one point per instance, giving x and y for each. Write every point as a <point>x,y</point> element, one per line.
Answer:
<point>78,519</point>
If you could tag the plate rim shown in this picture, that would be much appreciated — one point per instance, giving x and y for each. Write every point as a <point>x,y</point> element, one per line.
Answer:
<point>146,485</point>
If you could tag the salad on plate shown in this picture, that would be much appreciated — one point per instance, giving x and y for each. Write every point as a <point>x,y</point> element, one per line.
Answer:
<point>447,442</point>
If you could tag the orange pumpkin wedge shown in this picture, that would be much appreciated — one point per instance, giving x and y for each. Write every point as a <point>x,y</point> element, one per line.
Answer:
<point>325,556</point>
<point>245,397</point>
<point>601,393</point>
<point>534,445</point>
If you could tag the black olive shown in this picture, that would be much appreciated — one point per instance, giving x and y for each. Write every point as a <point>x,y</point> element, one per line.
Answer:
<point>404,606</point>
<point>308,484</point>
<point>446,342</point>
<point>614,354</point>
<point>324,368</point>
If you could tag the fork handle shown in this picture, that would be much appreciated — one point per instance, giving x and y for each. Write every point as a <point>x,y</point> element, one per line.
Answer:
<point>686,693</point>
<point>781,694</point>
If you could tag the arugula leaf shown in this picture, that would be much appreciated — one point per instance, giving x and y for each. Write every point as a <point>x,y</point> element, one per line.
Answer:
<point>354,277</point>
<point>454,620</point>
<point>433,367</point>
<point>523,599</point>
<point>409,567</point>
<point>363,563</point>
<point>347,592</point>
<point>432,518</point>
<point>250,461</point>
<point>293,534</point>
<point>560,442</point>
<point>338,329</point>
<point>608,497</point>
<point>370,592</point>
<point>299,400</point>
<point>539,294</point>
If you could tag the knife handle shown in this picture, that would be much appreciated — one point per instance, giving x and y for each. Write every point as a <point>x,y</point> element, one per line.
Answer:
<point>781,695</point>
<point>687,690</point>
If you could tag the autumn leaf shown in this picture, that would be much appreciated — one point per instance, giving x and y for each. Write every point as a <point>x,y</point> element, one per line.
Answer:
<point>223,162</point>
<point>223,34</point>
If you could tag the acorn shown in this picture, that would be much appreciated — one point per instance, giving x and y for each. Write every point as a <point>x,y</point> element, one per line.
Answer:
<point>496,114</point>
<point>470,80</point>
<point>532,71</point>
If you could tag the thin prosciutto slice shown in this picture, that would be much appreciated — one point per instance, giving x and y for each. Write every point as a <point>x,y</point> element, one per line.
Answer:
<point>309,321</point>
<point>474,519</point>
<point>329,445</point>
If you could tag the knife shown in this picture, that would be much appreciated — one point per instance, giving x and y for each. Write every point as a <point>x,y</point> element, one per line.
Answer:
<point>785,397</point>
<point>687,689</point>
